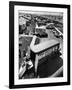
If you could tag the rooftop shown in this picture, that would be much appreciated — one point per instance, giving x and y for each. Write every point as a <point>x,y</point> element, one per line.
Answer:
<point>42,46</point>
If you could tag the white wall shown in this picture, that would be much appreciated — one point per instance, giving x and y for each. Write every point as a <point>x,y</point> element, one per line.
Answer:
<point>4,43</point>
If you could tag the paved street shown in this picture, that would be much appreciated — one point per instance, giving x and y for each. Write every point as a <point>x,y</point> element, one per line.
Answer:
<point>49,67</point>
